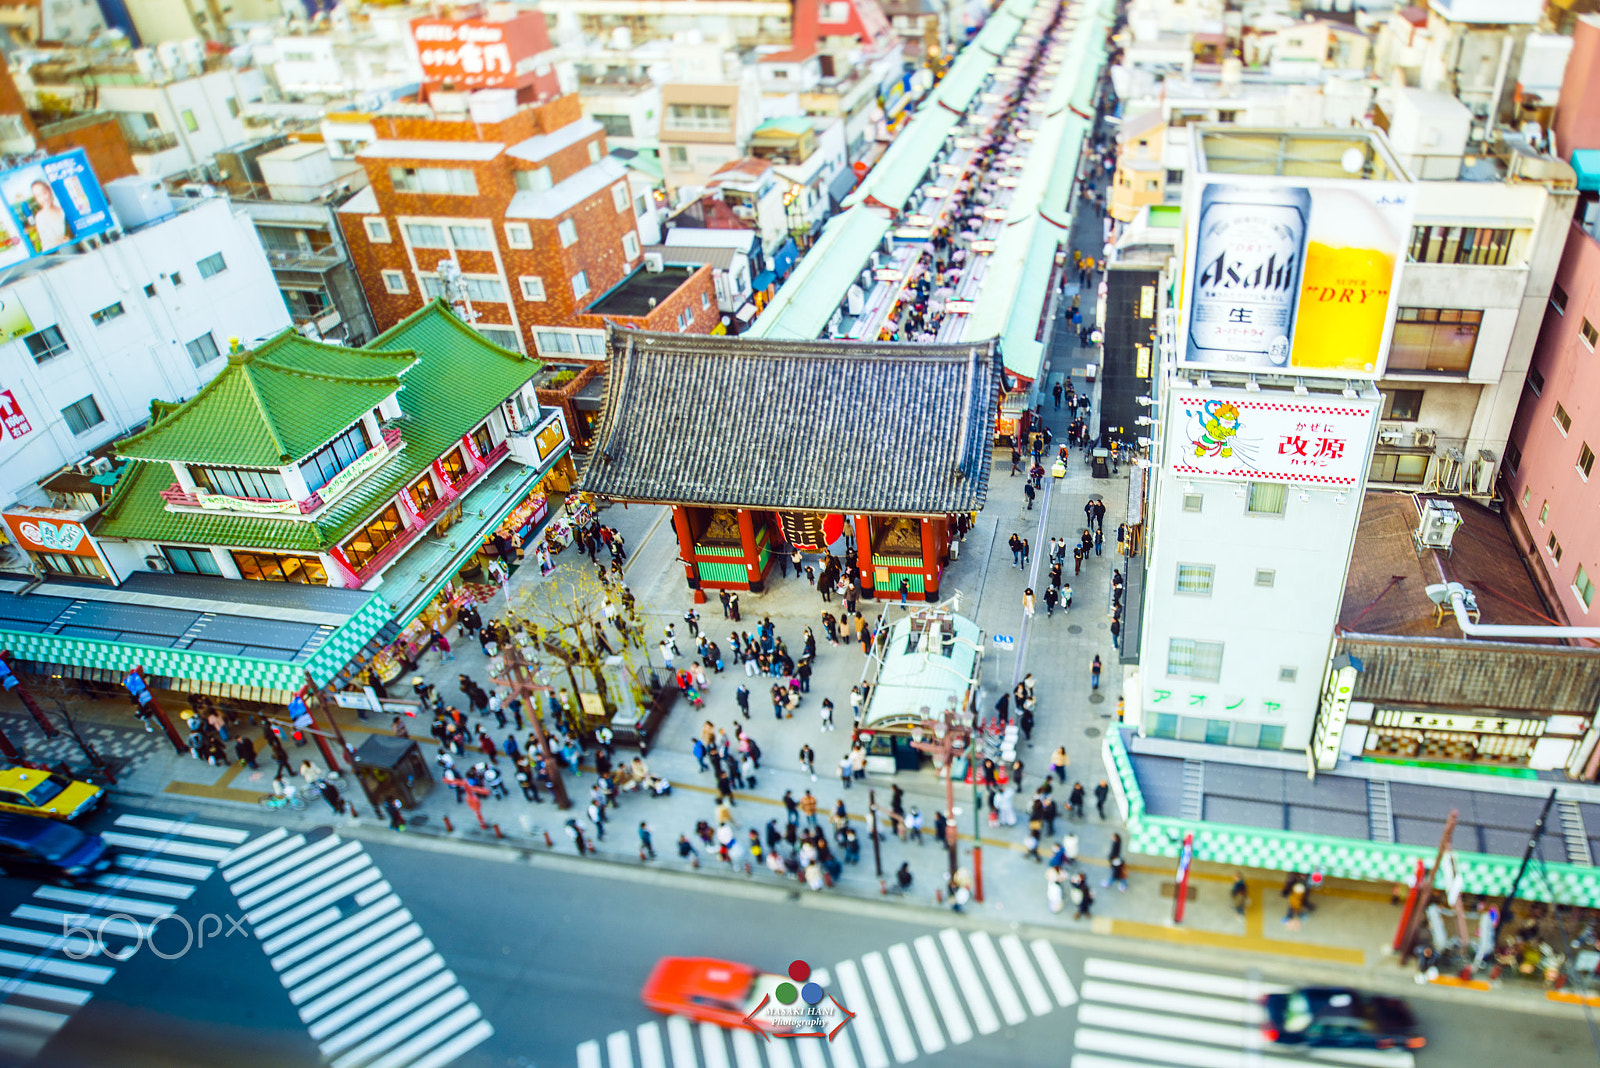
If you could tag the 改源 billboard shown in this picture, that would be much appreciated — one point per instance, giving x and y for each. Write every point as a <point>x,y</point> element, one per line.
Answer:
<point>1317,441</point>
<point>1293,275</point>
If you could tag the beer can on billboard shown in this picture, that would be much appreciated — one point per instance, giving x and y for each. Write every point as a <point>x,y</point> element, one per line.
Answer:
<point>1247,274</point>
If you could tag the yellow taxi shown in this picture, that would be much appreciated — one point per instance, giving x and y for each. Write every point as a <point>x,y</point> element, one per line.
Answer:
<point>46,793</point>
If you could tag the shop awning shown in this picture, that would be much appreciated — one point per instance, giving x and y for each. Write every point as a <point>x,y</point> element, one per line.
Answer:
<point>422,570</point>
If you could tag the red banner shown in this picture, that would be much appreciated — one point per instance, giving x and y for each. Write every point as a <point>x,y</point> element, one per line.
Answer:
<point>11,415</point>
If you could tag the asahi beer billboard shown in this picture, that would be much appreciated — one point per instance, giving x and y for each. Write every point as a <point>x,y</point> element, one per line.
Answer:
<point>1293,275</point>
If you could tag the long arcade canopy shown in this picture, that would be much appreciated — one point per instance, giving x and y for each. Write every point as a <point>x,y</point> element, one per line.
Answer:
<point>836,426</point>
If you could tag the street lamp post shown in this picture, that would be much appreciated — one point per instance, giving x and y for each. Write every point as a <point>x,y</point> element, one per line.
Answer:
<point>949,742</point>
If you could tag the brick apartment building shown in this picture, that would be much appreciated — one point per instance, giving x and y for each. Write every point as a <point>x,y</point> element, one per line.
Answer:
<point>535,213</point>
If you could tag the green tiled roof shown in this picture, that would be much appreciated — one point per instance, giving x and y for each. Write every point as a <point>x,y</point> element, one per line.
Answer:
<point>272,405</point>
<point>458,377</point>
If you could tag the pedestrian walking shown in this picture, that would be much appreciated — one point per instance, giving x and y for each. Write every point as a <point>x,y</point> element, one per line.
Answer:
<point>791,808</point>
<point>1297,905</point>
<point>1094,673</point>
<point>246,750</point>
<point>1240,893</point>
<point>1099,541</point>
<point>1075,801</point>
<point>808,808</point>
<point>575,833</point>
<point>1118,876</point>
<point>1058,763</point>
<point>330,794</point>
<point>808,761</point>
<point>722,597</point>
<point>396,814</point>
<point>1102,790</point>
<point>1081,896</point>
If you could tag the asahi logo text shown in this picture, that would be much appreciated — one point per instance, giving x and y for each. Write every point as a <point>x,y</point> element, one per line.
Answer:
<point>1276,275</point>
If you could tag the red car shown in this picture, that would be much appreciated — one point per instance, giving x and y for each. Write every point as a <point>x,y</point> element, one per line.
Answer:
<point>701,988</point>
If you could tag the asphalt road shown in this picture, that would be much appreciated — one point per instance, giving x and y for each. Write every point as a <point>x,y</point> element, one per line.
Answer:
<point>405,956</point>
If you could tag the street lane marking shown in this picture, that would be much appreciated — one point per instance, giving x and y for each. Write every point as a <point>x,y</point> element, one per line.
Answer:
<point>61,969</point>
<point>989,960</point>
<point>158,887</point>
<point>306,908</point>
<point>983,1016</point>
<point>334,877</point>
<point>651,1055</point>
<point>901,1043</point>
<point>236,871</point>
<point>944,992</point>
<point>1199,982</point>
<point>329,1024</point>
<point>479,1032</point>
<point>324,963</point>
<point>917,1003</point>
<point>855,994</point>
<point>27,936</point>
<point>104,902</point>
<point>589,1054</point>
<point>156,845</point>
<point>716,1054</point>
<point>231,835</point>
<point>778,1052</point>
<point>294,934</point>
<point>680,1036</point>
<point>1032,989</point>
<point>305,867</point>
<point>811,1055</point>
<point>64,995</point>
<point>1368,1058</point>
<point>407,1026</point>
<point>255,845</point>
<point>244,885</point>
<point>33,1019</point>
<point>441,981</point>
<point>339,930</point>
<point>1218,1034</point>
<point>1148,997</point>
<point>746,1054</point>
<point>1054,973</point>
<point>619,1049</point>
<point>322,982</point>
<point>154,866</point>
<point>341,994</point>
<point>432,1037</point>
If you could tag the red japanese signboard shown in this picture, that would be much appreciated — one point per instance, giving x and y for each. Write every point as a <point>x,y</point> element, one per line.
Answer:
<point>11,416</point>
<point>1318,441</point>
<point>479,54</point>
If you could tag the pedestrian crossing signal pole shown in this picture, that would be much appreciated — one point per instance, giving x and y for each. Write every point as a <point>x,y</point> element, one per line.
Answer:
<point>300,718</point>
<point>9,679</point>
<point>327,710</point>
<point>1180,888</point>
<point>139,687</point>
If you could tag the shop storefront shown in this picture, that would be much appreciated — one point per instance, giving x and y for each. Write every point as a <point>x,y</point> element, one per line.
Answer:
<point>1464,737</point>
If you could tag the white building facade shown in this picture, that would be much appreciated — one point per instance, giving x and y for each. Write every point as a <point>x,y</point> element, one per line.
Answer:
<point>108,329</point>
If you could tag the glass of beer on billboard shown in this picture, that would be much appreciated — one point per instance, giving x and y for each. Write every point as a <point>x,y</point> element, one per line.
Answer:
<point>1344,289</point>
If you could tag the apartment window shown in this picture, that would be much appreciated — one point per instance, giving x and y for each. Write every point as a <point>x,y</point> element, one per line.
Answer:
<point>46,344</point>
<point>1513,458</point>
<point>554,341</point>
<point>506,339</point>
<point>474,237</point>
<point>277,567</point>
<point>453,466</point>
<point>1288,674</point>
<point>486,289</point>
<point>203,349</point>
<point>1266,498</point>
<point>684,319</point>
<point>1527,495</point>
<point>212,265</point>
<point>641,205</point>
<point>594,151</point>
<point>1535,381</point>
<point>233,107</point>
<point>1434,339</point>
<point>335,456</point>
<point>1402,467</point>
<point>534,181</point>
<point>1563,421</point>
<point>82,415</point>
<point>532,287</point>
<point>615,125</point>
<point>1544,514</point>
<point>580,285</point>
<point>452,181</point>
<point>1585,461</point>
<point>423,495</point>
<point>678,157</point>
<point>394,281</point>
<point>1271,736</point>
<point>1193,501</point>
<point>705,301</point>
<point>377,230</point>
<point>177,279</point>
<point>1467,245</point>
<point>66,564</point>
<point>568,231</point>
<point>517,235</point>
<point>237,482</point>
<point>106,314</point>
<point>150,290</point>
<point>1195,578</point>
<point>1589,334</point>
<point>1554,547</point>
<point>422,235</point>
<point>383,528</point>
<point>1194,659</point>
<point>1558,299</point>
<point>432,287</point>
<point>190,561</point>
<point>1583,587</point>
<point>1266,576</point>
<point>630,246</point>
<point>619,196</point>
<point>1403,405</point>
<point>592,344</point>
<point>714,118</point>
<point>190,123</point>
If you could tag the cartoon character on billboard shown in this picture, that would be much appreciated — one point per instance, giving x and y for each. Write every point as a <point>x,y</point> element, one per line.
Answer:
<point>1213,428</point>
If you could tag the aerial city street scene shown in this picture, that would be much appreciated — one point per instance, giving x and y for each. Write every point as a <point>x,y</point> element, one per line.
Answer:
<point>799,534</point>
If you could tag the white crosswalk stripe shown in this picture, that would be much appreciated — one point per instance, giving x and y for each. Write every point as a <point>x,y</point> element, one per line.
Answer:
<point>910,1000</point>
<point>361,972</point>
<point>48,970</point>
<point>1142,1016</point>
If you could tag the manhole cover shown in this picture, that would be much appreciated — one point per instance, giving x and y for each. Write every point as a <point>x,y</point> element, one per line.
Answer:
<point>1092,732</point>
<point>1074,629</point>
<point>1096,698</point>
<point>1102,626</point>
<point>418,820</point>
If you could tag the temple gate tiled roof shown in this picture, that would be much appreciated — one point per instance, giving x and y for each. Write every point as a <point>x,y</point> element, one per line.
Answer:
<point>809,425</point>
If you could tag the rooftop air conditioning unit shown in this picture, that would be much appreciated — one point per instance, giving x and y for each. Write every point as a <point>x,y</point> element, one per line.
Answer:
<point>1391,433</point>
<point>101,465</point>
<point>654,263</point>
<point>1438,524</point>
<point>1424,438</point>
<point>157,562</point>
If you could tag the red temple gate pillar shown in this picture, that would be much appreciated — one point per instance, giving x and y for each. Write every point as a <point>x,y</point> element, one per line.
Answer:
<point>691,570</point>
<point>935,534</point>
<point>864,566</point>
<point>752,550</point>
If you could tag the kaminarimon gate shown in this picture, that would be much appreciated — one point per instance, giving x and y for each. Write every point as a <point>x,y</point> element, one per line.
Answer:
<point>760,443</point>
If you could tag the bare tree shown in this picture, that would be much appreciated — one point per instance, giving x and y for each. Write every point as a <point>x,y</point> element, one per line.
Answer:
<point>565,615</point>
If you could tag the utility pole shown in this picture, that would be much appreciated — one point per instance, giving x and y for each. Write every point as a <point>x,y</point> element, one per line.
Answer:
<point>139,687</point>
<point>300,718</point>
<point>520,683</point>
<point>10,680</point>
<point>1527,855</point>
<point>327,710</point>
<point>1412,919</point>
<point>872,817</point>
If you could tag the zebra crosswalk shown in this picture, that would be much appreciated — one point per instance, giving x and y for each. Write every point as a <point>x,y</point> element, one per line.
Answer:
<point>1142,1016</point>
<point>909,1000</point>
<point>369,986</point>
<point>63,945</point>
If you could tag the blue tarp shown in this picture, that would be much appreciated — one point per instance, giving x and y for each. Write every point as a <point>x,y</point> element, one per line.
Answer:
<point>1586,161</point>
<point>784,258</point>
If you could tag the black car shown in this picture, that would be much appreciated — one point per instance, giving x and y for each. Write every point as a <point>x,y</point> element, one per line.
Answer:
<point>1336,1016</point>
<point>49,849</point>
